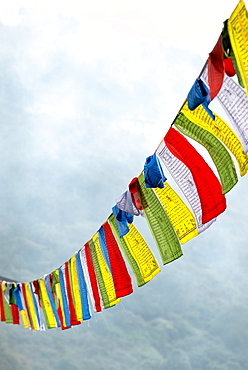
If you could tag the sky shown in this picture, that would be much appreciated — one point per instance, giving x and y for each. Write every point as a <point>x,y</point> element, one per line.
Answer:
<point>89,89</point>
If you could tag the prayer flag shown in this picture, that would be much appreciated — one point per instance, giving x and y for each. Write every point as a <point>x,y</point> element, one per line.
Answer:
<point>212,200</point>
<point>137,252</point>
<point>153,172</point>
<point>238,33</point>
<point>104,278</point>
<point>179,214</point>
<point>122,279</point>
<point>235,102</point>
<point>184,179</point>
<point>161,228</point>
<point>216,68</point>
<point>216,149</point>
<point>222,131</point>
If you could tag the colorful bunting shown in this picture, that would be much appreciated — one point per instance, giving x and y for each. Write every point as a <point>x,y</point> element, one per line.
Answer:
<point>98,270</point>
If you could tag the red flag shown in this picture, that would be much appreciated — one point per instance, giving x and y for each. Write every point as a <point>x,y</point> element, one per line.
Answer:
<point>216,68</point>
<point>209,189</point>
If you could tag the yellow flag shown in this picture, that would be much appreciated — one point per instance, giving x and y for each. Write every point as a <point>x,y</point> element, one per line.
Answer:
<point>24,318</point>
<point>107,278</point>
<point>221,130</point>
<point>180,216</point>
<point>238,33</point>
<point>142,254</point>
<point>75,288</point>
<point>47,305</point>
<point>31,307</point>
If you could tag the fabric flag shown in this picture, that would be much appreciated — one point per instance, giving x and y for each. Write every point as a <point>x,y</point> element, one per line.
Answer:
<point>48,285</point>
<point>66,312</point>
<point>73,316</point>
<point>209,189</point>
<point>46,305</point>
<point>124,217</point>
<point>31,305</point>
<point>96,301</point>
<point>75,288</point>
<point>2,304</point>
<point>7,309</point>
<point>37,312</point>
<point>19,302</point>
<point>199,94</point>
<point>179,214</point>
<point>184,180</point>
<point>125,203</point>
<point>238,33</point>
<point>37,294</point>
<point>83,289</point>
<point>216,69</point>
<point>104,278</point>
<point>231,66</point>
<point>104,248</point>
<point>122,225</point>
<point>26,305</point>
<point>138,254</point>
<point>161,228</point>
<point>235,102</point>
<point>61,299</point>
<point>13,306</point>
<point>122,279</point>
<point>153,172</point>
<point>134,190</point>
<point>222,131</point>
<point>83,259</point>
<point>216,149</point>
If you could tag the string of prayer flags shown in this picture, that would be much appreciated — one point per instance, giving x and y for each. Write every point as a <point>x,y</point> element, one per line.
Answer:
<point>216,69</point>
<point>219,154</point>
<point>184,179</point>
<point>199,94</point>
<point>125,203</point>
<point>235,102</point>
<point>161,228</point>
<point>122,279</point>
<point>98,270</point>
<point>153,172</point>
<point>179,214</point>
<point>238,33</point>
<point>222,131</point>
<point>213,202</point>
<point>141,259</point>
